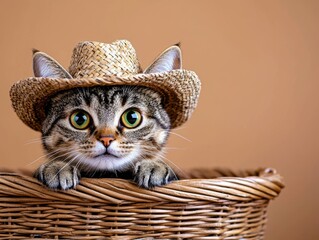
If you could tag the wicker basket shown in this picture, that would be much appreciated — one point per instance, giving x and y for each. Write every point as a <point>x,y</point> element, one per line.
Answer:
<point>216,204</point>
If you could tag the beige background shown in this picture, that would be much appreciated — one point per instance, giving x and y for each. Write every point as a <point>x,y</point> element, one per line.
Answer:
<point>258,62</point>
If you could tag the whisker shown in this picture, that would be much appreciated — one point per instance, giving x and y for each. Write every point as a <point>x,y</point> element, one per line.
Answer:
<point>36,140</point>
<point>34,161</point>
<point>56,154</point>
<point>176,134</point>
<point>66,164</point>
<point>160,156</point>
<point>47,155</point>
<point>175,166</point>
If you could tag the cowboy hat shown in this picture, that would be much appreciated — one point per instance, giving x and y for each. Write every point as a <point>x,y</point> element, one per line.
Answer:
<point>101,64</point>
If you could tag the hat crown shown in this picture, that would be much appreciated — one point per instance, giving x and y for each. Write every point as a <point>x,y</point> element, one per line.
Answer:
<point>94,59</point>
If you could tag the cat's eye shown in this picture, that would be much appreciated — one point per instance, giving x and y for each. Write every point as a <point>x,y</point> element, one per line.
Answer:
<point>80,120</point>
<point>131,118</point>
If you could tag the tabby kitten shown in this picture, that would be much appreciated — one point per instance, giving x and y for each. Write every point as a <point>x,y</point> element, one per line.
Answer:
<point>105,131</point>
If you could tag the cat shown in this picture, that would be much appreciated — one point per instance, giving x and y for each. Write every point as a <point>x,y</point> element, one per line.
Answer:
<point>105,131</point>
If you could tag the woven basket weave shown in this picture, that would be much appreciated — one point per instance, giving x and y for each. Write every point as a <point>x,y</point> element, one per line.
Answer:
<point>211,204</point>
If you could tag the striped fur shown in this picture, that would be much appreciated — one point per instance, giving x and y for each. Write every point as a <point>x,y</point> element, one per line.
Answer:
<point>133,154</point>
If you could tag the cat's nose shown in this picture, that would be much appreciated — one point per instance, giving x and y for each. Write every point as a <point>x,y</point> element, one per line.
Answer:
<point>106,140</point>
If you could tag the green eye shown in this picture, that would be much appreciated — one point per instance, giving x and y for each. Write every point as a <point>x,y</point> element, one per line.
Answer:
<point>80,120</point>
<point>131,118</point>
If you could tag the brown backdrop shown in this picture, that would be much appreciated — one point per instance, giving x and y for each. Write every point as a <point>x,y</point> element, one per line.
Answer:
<point>258,62</point>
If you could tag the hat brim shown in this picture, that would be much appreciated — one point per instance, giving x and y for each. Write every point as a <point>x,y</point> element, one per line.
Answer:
<point>179,88</point>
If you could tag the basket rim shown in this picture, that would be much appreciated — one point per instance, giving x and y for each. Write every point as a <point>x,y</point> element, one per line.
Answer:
<point>266,184</point>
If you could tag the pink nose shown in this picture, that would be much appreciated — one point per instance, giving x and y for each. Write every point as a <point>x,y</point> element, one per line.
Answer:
<point>106,140</point>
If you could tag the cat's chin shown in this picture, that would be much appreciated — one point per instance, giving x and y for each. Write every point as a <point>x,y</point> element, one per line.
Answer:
<point>110,162</point>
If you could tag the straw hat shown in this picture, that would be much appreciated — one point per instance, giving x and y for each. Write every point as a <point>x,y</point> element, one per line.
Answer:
<point>100,64</point>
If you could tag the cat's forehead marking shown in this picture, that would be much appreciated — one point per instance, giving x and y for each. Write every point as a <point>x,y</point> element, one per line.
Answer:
<point>108,111</point>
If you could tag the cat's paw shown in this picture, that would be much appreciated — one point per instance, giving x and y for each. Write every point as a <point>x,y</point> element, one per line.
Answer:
<point>150,173</point>
<point>58,175</point>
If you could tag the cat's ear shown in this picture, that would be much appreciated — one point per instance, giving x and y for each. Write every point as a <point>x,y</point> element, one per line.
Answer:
<point>46,66</point>
<point>168,60</point>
